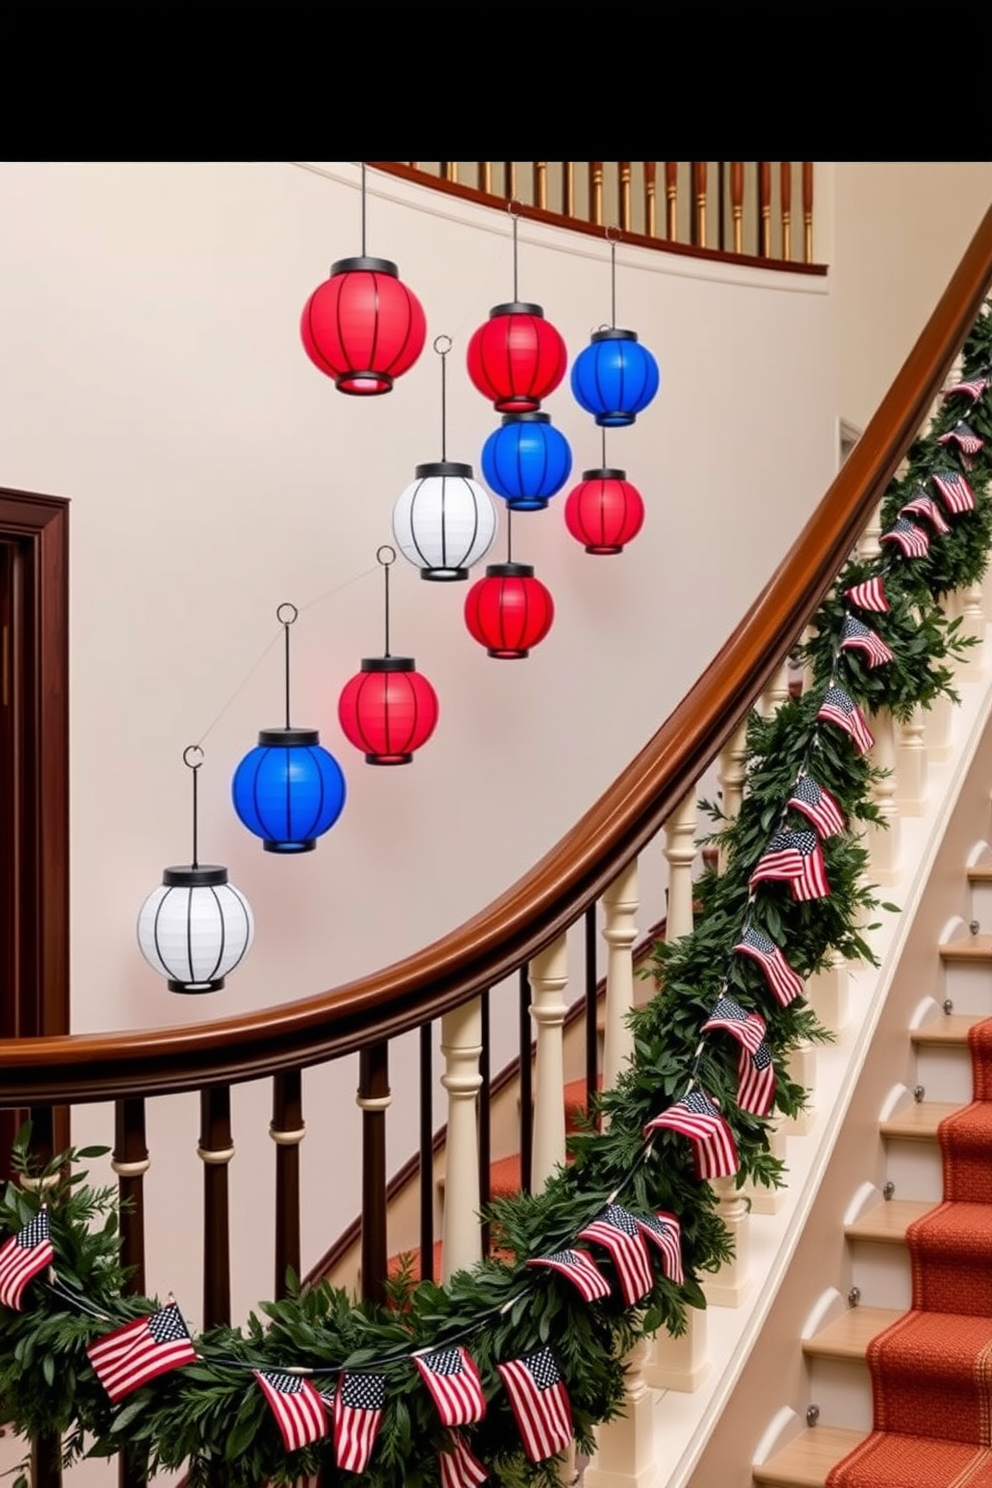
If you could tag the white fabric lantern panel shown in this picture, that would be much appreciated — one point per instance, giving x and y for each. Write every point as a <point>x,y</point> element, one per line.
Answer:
<point>195,928</point>
<point>444,521</point>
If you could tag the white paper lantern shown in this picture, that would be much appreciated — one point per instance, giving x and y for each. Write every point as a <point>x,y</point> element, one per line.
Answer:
<point>195,928</point>
<point>444,521</point>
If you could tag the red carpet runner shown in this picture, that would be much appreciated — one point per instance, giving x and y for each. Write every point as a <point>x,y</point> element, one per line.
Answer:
<point>932,1370</point>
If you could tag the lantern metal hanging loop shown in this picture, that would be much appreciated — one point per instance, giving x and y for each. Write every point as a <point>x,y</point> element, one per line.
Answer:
<point>615,377</point>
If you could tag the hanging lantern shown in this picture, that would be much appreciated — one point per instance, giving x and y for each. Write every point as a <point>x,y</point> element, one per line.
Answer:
<point>616,377</point>
<point>196,927</point>
<point>604,511</point>
<point>526,460</point>
<point>362,326</point>
<point>444,521</point>
<point>517,357</point>
<point>288,790</point>
<point>388,709</point>
<point>509,610</point>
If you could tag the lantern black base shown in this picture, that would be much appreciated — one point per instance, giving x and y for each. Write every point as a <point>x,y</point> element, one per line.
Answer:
<point>388,759</point>
<point>443,575</point>
<point>517,405</point>
<point>507,655</point>
<point>618,420</point>
<point>527,503</point>
<point>195,989</point>
<point>601,550</point>
<point>364,384</point>
<point>289,847</point>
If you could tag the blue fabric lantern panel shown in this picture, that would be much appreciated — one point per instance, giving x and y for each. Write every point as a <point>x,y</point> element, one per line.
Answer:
<point>615,378</point>
<point>526,461</point>
<point>288,790</point>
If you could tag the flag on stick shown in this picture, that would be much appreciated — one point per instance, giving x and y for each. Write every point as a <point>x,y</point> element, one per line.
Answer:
<point>964,437</point>
<point>958,495</point>
<point>459,1466</point>
<point>911,540</point>
<point>839,707</point>
<point>818,806</point>
<point>755,1071</point>
<point>580,1268</point>
<point>795,858</point>
<point>142,1350</point>
<point>857,636</point>
<point>870,595</point>
<point>454,1383</point>
<point>616,1229</point>
<point>923,505</point>
<point>973,387</point>
<point>357,1418</point>
<point>786,983</point>
<point>296,1405</point>
<point>664,1231</point>
<point>22,1257</point>
<point>540,1403</point>
<point>697,1117</point>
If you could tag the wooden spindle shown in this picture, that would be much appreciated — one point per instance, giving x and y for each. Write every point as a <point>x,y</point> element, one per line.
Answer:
<point>510,180</point>
<point>625,1451</point>
<point>592,1005</point>
<point>785,206</point>
<point>650,202</point>
<point>764,208</point>
<point>680,854</point>
<point>596,192</point>
<point>526,1082</point>
<point>373,1100</point>
<point>732,773</point>
<point>485,176</point>
<point>568,188</point>
<point>699,203</point>
<point>449,170</point>
<point>911,775</point>
<point>548,979</point>
<point>461,1045</point>
<point>414,165</point>
<point>671,200</point>
<point>730,1284</point>
<point>485,1123</point>
<point>883,839</point>
<point>541,183</point>
<point>46,1449</point>
<point>287,1130</point>
<point>426,1152</point>
<point>620,905</point>
<point>215,1150</point>
<point>623,193</point>
<point>737,203</point>
<point>807,211</point>
<point>130,1162</point>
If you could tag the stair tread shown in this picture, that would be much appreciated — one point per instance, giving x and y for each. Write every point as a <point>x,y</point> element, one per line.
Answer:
<point>980,873</point>
<point>919,1121</point>
<point>805,1461</point>
<point>968,948</point>
<point>950,1028</point>
<point>888,1220</point>
<point>848,1336</point>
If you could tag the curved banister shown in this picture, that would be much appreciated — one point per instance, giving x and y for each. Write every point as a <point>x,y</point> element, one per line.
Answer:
<point>548,898</point>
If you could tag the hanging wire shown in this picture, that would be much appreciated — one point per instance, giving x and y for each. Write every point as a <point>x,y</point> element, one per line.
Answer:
<point>613,237</point>
<point>189,752</point>
<point>509,534</point>
<point>363,208</point>
<point>603,432</point>
<point>513,207</point>
<point>442,350</point>
<point>386,565</point>
<point>292,613</point>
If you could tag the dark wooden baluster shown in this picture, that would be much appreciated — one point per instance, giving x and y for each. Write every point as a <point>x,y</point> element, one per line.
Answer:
<point>510,180</point>
<point>414,165</point>
<point>449,170</point>
<point>807,211</point>
<point>623,193</point>
<point>596,192</point>
<point>737,203</point>
<point>526,1084</point>
<point>485,176</point>
<point>721,194</point>
<point>130,1162</point>
<point>764,208</point>
<point>650,202</point>
<point>785,205</point>
<point>485,1128</point>
<point>215,1151</point>
<point>287,1129</point>
<point>426,1152</point>
<point>592,1005</point>
<point>541,183</point>
<point>699,203</point>
<point>46,1449</point>
<point>568,188</point>
<point>373,1098</point>
<point>671,200</point>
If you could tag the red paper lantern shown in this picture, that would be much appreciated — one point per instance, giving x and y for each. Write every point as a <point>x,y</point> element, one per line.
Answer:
<point>388,710</point>
<point>516,358</point>
<point>362,326</point>
<point>509,610</point>
<point>604,510</point>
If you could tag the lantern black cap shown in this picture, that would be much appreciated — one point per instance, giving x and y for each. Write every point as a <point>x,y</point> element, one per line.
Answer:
<point>370,265</point>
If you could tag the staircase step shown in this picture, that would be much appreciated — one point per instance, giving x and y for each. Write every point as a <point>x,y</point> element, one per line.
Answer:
<point>918,1122</point>
<point>808,1458</point>
<point>949,1029</point>
<point>849,1335</point>
<point>887,1222</point>
<point>968,948</point>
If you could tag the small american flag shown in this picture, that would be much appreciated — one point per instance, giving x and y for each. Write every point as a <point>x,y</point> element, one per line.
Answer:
<point>869,596</point>
<point>783,981</point>
<point>664,1231</point>
<point>23,1257</point>
<point>818,806</point>
<point>911,540</point>
<point>958,495</point>
<point>454,1383</point>
<point>142,1350</point>
<point>839,707</point>
<point>923,505</point>
<point>296,1405</point>
<point>964,437</point>
<point>755,1071</point>
<point>697,1117</point>
<point>615,1228</point>
<point>581,1270</point>
<point>357,1418</point>
<point>540,1403</point>
<point>857,636</point>
<point>459,1466</point>
<point>795,858</point>
<point>973,387</point>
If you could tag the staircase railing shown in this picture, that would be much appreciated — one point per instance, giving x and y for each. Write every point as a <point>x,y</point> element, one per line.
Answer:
<point>521,934</point>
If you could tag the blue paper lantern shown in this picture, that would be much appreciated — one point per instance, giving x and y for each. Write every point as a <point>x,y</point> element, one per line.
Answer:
<point>526,460</point>
<point>615,378</point>
<point>288,790</point>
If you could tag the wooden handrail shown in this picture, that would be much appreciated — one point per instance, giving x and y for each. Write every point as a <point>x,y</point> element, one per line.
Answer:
<point>558,889</point>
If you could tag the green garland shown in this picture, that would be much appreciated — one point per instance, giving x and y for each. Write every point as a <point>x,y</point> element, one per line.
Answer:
<point>212,1419</point>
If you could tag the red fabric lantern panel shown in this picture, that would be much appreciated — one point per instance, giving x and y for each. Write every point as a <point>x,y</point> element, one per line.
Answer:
<point>516,358</point>
<point>362,326</point>
<point>509,610</point>
<point>388,710</point>
<point>604,510</point>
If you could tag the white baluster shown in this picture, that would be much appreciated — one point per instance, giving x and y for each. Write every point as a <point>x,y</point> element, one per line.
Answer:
<point>461,1048</point>
<point>680,851</point>
<point>937,728</point>
<point>730,1284</point>
<point>625,1456</point>
<point>680,1363</point>
<point>869,545</point>
<point>732,775</point>
<point>802,1070</point>
<point>827,993</point>
<point>777,691</point>
<point>620,905</point>
<point>911,764</point>
<point>548,979</point>
<point>769,1200</point>
<point>970,606</point>
<point>883,841</point>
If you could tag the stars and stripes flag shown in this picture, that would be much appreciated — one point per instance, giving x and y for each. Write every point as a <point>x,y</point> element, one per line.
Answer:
<point>958,495</point>
<point>964,437</point>
<point>855,635</point>
<point>581,1270</point>
<point>142,1350</point>
<point>911,540</point>
<point>818,806</point>
<point>454,1383</point>
<point>697,1117</point>
<point>973,387</point>
<point>664,1231</point>
<point>869,595</point>
<point>357,1418</point>
<point>839,707</point>
<point>459,1466</point>
<point>786,983</point>
<point>540,1403</point>
<point>297,1406</point>
<point>755,1071</point>
<point>615,1228</point>
<point>22,1257</point>
<point>795,858</point>
<point>923,505</point>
